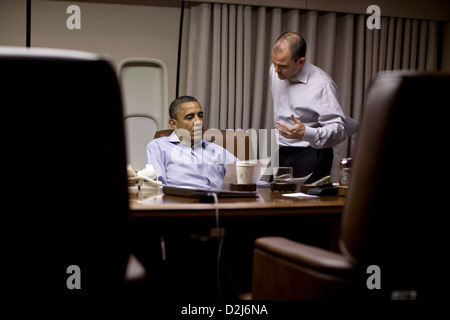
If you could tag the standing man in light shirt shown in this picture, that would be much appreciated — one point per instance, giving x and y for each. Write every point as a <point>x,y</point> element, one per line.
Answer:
<point>184,159</point>
<point>306,110</point>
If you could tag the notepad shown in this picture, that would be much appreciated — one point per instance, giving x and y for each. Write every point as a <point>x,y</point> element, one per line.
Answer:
<point>299,195</point>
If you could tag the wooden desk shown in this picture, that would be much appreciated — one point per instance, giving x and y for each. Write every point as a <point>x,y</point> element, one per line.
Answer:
<point>185,224</point>
<point>151,204</point>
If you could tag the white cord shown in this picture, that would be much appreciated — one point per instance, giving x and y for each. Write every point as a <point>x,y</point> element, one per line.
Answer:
<point>146,179</point>
<point>220,238</point>
<point>154,183</point>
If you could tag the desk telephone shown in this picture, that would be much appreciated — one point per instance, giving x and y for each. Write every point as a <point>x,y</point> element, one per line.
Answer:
<point>146,175</point>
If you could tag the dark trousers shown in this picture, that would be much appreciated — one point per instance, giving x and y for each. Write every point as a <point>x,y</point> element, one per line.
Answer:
<point>305,160</point>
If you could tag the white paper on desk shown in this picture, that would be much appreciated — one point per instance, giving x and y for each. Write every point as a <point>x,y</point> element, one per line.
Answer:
<point>258,171</point>
<point>299,195</point>
<point>300,181</point>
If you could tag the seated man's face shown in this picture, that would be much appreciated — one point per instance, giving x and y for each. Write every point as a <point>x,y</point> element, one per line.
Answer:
<point>190,117</point>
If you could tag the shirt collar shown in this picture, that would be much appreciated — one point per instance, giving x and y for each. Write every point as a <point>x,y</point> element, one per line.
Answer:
<point>174,139</point>
<point>304,74</point>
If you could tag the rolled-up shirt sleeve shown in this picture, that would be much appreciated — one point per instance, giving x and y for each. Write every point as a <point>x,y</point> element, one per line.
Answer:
<point>155,157</point>
<point>324,137</point>
<point>330,128</point>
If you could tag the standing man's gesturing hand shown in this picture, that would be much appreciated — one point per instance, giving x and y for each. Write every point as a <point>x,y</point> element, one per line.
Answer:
<point>296,131</point>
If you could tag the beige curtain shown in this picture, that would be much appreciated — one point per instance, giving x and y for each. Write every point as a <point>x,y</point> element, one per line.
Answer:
<point>229,55</point>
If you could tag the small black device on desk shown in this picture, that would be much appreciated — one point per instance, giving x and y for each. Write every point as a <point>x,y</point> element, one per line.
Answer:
<point>325,189</point>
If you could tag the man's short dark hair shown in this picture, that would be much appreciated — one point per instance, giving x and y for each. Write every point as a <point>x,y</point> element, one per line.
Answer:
<point>176,105</point>
<point>295,42</point>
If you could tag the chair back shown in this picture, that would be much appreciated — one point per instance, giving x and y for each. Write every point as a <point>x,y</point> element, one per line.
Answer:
<point>396,197</point>
<point>239,143</point>
<point>64,170</point>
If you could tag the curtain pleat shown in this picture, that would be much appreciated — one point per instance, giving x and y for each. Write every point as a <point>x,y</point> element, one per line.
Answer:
<point>293,20</point>
<point>325,41</point>
<point>422,54</point>
<point>414,42</point>
<point>224,70</point>
<point>239,67</point>
<point>398,44</point>
<point>390,44</point>
<point>248,75</point>
<point>432,46</point>
<point>358,75</point>
<point>383,45</point>
<point>199,83</point>
<point>215,74</point>
<point>357,85</point>
<point>229,57</point>
<point>406,44</point>
<point>260,78</point>
<point>343,70</point>
<point>231,66</point>
<point>308,30</point>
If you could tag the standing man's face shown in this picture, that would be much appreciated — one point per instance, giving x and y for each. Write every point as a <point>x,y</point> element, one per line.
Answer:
<point>285,67</point>
<point>190,118</point>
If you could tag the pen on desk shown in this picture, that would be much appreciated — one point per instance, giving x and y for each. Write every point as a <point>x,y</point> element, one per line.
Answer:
<point>163,249</point>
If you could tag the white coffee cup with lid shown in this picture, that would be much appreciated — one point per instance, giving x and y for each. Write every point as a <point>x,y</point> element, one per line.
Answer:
<point>244,172</point>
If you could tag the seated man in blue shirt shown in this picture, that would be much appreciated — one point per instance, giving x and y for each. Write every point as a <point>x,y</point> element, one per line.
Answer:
<point>184,158</point>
